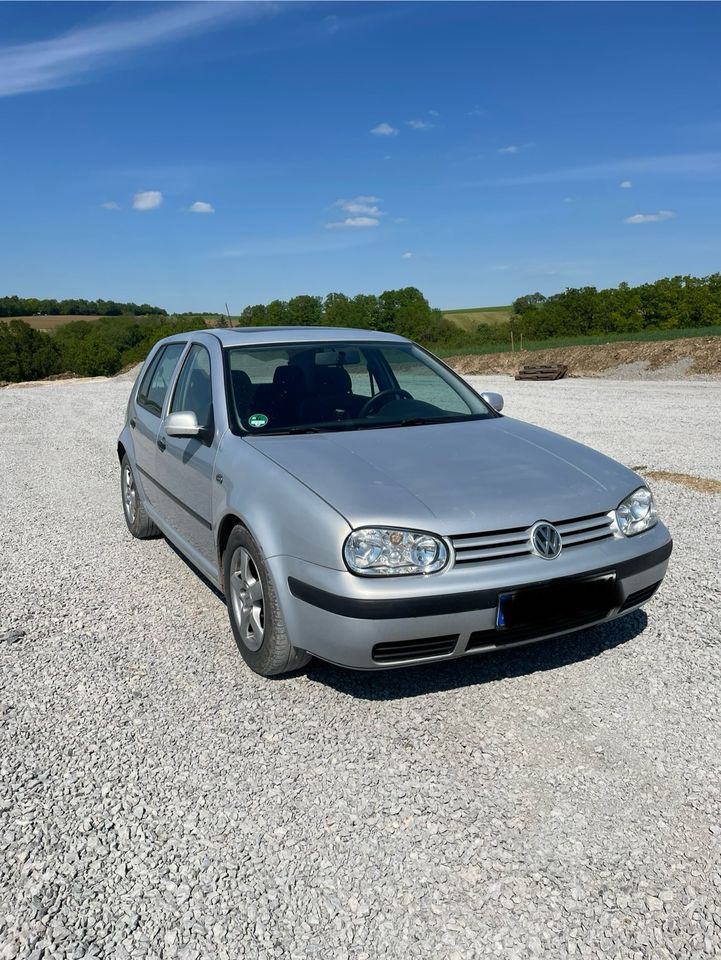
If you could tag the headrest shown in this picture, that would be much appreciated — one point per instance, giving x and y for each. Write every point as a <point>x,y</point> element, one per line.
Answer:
<point>333,380</point>
<point>289,379</point>
<point>241,382</point>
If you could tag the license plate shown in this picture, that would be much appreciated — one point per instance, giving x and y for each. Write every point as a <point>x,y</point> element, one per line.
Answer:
<point>560,601</point>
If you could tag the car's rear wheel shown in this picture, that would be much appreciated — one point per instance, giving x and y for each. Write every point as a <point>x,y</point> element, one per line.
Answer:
<point>138,521</point>
<point>254,610</point>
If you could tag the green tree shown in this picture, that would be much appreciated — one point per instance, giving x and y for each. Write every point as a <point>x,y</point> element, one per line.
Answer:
<point>26,354</point>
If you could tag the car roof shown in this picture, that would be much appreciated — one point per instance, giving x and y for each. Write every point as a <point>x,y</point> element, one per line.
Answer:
<point>241,336</point>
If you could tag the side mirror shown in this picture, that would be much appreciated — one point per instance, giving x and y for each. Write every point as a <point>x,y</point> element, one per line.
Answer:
<point>494,400</point>
<point>182,424</point>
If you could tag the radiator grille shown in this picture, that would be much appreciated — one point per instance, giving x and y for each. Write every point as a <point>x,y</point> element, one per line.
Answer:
<point>516,541</point>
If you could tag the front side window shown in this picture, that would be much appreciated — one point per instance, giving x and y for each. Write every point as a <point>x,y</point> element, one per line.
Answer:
<point>319,387</point>
<point>156,381</point>
<point>194,392</point>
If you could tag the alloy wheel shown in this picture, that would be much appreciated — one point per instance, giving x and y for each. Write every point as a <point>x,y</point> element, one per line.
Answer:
<point>247,598</point>
<point>130,494</point>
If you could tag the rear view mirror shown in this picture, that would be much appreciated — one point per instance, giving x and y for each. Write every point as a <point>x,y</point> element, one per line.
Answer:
<point>337,358</point>
<point>494,400</point>
<point>182,424</point>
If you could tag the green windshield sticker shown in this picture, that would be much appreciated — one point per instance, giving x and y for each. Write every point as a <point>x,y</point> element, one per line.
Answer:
<point>257,420</point>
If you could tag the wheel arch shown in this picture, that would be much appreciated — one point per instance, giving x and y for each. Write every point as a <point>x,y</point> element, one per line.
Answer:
<point>229,522</point>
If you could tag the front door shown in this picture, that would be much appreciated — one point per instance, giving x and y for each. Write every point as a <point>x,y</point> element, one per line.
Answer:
<point>184,465</point>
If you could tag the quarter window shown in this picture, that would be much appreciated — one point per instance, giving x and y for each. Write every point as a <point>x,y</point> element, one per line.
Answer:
<point>194,391</point>
<point>156,381</point>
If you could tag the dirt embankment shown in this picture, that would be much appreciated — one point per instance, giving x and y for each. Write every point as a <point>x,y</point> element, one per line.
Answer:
<point>688,357</point>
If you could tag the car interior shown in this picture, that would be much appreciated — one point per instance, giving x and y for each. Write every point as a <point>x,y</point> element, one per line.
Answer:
<point>293,398</point>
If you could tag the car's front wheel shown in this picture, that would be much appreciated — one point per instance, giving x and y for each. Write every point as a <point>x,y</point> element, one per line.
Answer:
<point>138,521</point>
<point>254,610</point>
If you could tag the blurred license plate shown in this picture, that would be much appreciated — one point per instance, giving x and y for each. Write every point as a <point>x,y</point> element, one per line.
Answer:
<point>558,601</point>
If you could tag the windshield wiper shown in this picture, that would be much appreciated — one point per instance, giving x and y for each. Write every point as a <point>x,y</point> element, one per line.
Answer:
<point>418,421</point>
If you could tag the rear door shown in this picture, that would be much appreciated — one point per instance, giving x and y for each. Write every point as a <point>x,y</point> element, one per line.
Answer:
<point>184,465</point>
<point>147,410</point>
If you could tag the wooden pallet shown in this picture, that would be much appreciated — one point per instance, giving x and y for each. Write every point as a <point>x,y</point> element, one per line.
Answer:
<point>556,371</point>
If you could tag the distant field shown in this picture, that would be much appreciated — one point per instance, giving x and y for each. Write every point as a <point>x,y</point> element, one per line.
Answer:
<point>470,317</point>
<point>51,322</point>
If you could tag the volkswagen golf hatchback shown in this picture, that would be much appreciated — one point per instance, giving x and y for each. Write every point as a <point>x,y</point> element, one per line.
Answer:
<point>356,500</point>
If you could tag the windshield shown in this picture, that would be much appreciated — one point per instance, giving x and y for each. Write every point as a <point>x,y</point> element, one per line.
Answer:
<point>319,387</point>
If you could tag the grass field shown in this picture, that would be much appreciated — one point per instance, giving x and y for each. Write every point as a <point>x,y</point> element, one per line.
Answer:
<point>51,321</point>
<point>470,317</point>
<point>638,337</point>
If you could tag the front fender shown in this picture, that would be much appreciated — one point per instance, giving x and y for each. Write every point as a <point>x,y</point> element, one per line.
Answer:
<point>284,516</point>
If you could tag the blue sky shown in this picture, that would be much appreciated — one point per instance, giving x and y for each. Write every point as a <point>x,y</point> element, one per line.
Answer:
<point>196,154</point>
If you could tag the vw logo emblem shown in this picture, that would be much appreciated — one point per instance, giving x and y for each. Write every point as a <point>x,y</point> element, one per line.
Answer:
<point>546,540</point>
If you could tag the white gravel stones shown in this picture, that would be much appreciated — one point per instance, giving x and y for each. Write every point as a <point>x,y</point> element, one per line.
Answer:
<point>157,800</point>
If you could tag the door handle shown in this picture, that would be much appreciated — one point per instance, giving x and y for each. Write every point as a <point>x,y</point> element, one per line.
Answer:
<point>132,423</point>
<point>161,443</point>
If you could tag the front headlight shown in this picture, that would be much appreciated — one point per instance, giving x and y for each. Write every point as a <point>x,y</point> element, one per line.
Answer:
<point>388,551</point>
<point>637,512</point>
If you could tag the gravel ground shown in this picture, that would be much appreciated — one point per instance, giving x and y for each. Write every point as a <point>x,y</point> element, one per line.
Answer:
<point>159,800</point>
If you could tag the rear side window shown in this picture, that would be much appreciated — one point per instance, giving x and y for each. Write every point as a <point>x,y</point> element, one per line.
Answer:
<point>156,381</point>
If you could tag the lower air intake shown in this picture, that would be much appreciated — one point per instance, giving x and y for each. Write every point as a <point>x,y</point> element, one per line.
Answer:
<point>640,596</point>
<point>400,650</point>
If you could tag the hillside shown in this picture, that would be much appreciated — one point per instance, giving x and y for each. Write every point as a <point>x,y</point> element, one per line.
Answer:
<point>469,318</point>
<point>51,321</point>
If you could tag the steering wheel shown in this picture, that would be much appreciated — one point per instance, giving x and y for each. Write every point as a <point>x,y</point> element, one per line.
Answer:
<point>384,396</point>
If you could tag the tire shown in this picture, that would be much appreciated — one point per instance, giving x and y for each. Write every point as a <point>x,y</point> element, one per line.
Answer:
<point>254,611</point>
<point>138,521</point>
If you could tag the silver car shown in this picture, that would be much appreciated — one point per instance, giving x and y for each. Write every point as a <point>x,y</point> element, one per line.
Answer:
<point>355,500</point>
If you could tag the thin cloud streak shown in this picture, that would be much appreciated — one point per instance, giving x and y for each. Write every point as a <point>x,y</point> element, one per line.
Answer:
<point>69,58</point>
<point>675,164</point>
<point>300,244</point>
<point>650,217</point>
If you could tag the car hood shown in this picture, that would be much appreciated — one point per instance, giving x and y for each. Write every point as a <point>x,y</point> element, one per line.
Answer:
<point>453,478</point>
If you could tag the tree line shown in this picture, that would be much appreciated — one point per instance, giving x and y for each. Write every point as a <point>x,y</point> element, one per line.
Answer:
<point>100,347</point>
<point>107,345</point>
<point>667,304</point>
<point>32,306</point>
<point>405,311</point>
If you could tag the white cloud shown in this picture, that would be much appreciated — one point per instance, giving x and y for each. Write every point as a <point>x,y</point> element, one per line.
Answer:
<point>420,124</point>
<point>650,217</point>
<point>384,130</point>
<point>407,255</point>
<point>110,205</point>
<point>200,206</point>
<point>477,111</point>
<point>66,59</point>
<point>147,200</point>
<point>354,222</point>
<point>626,184</point>
<point>510,149</point>
<point>400,219</point>
<point>433,113</point>
<point>363,204</point>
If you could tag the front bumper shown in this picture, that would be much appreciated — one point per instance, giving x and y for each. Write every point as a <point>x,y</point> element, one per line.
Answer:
<point>371,624</point>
